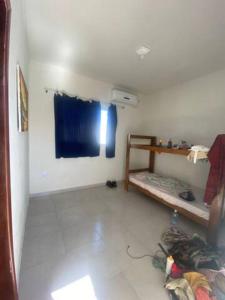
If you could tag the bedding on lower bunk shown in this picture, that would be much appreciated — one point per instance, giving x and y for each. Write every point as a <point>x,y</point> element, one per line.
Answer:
<point>169,189</point>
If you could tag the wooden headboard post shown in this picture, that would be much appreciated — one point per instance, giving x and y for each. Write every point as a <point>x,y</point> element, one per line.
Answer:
<point>152,155</point>
<point>127,163</point>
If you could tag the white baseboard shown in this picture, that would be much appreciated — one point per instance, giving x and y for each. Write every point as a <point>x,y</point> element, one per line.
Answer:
<point>37,195</point>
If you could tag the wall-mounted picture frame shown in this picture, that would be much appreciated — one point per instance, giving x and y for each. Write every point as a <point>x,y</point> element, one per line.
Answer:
<point>22,101</point>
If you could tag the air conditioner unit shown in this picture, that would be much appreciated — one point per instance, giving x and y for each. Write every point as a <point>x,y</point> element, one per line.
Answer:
<point>124,97</point>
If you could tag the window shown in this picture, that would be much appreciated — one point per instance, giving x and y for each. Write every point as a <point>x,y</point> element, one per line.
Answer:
<point>104,117</point>
<point>81,127</point>
<point>77,127</point>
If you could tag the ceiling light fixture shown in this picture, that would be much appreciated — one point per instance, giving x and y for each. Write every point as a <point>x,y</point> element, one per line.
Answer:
<point>142,51</point>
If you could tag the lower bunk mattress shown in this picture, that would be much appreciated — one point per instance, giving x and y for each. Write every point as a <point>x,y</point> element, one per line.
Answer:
<point>169,189</point>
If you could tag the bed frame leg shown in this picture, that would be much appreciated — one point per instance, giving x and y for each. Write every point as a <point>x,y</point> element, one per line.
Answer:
<point>152,156</point>
<point>216,212</point>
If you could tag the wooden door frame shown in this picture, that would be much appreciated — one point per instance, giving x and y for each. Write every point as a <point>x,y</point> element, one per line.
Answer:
<point>8,286</point>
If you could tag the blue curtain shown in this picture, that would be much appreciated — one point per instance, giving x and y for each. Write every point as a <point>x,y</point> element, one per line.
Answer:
<point>77,127</point>
<point>111,131</point>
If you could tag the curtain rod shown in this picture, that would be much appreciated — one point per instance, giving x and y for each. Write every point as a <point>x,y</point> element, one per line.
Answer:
<point>82,98</point>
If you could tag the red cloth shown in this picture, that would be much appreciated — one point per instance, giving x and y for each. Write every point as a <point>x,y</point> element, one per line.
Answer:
<point>202,294</point>
<point>176,271</point>
<point>216,177</point>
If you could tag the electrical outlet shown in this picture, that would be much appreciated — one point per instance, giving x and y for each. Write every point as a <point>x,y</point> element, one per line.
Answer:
<point>44,174</point>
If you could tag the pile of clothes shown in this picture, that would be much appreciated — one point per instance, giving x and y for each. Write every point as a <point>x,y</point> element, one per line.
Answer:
<point>194,270</point>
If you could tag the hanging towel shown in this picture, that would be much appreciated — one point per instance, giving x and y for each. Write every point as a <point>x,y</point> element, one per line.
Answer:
<point>111,131</point>
<point>216,177</point>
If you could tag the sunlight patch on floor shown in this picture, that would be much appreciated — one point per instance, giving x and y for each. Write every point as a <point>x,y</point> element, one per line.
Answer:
<point>81,289</point>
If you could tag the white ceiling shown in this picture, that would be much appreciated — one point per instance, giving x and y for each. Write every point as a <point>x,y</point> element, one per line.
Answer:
<point>98,38</point>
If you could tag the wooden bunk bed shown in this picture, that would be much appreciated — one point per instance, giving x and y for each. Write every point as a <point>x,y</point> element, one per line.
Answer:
<point>214,213</point>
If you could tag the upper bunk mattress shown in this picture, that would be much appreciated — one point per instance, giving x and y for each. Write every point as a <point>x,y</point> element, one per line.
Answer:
<point>169,188</point>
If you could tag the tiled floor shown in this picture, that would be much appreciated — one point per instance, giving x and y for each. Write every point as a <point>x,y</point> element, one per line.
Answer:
<point>75,244</point>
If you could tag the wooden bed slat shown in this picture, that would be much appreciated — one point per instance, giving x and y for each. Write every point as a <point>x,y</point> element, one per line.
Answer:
<point>138,170</point>
<point>160,149</point>
<point>143,137</point>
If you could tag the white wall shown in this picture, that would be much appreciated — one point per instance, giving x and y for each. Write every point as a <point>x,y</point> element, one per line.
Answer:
<point>18,141</point>
<point>50,174</point>
<point>193,111</point>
